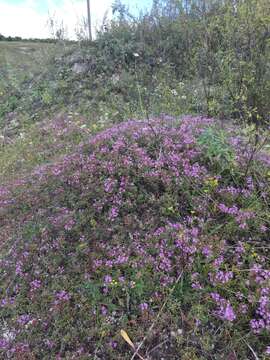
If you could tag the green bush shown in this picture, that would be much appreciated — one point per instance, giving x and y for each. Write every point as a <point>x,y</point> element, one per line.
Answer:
<point>222,46</point>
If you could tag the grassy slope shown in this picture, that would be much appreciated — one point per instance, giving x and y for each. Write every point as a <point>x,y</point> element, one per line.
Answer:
<point>66,277</point>
<point>23,58</point>
<point>21,61</point>
<point>22,144</point>
<point>22,66</point>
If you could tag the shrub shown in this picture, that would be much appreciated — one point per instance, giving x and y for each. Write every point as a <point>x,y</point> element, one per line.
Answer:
<point>223,46</point>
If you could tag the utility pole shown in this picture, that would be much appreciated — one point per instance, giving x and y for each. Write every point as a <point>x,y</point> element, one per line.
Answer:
<point>89,20</point>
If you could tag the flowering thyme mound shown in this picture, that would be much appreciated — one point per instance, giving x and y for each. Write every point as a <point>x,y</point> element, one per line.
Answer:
<point>94,243</point>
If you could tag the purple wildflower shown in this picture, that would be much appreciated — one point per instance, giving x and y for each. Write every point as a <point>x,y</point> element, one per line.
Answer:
<point>144,306</point>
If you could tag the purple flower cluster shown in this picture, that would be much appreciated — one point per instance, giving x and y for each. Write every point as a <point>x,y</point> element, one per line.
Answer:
<point>61,296</point>
<point>35,284</point>
<point>115,222</point>
<point>241,216</point>
<point>262,322</point>
<point>220,276</point>
<point>144,307</point>
<point>224,308</point>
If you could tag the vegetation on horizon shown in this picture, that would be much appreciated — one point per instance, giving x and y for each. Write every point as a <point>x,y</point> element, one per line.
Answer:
<point>19,38</point>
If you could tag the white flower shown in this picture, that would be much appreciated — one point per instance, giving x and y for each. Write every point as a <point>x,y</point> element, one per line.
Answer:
<point>136,54</point>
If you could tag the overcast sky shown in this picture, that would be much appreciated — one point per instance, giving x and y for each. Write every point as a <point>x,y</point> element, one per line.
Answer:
<point>29,18</point>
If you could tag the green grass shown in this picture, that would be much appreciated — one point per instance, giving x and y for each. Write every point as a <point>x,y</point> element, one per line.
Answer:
<point>21,60</point>
<point>22,66</point>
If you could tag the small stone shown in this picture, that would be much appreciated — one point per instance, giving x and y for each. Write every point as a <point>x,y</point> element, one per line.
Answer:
<point>79,68</point>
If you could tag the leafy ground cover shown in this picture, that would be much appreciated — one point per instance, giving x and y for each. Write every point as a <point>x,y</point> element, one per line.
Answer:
<point>160,224</point>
